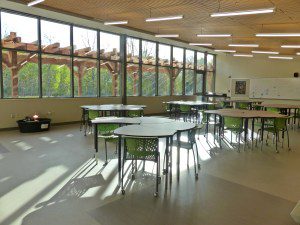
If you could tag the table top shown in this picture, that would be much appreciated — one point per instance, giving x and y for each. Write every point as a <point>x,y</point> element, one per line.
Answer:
<point>145,131</point>
<point>116,107</point>
<point>177,125</point>
<point>116,120</point>
<point>191,103</point>
<point>245,113</point>
<point>154,120</point>
<point>243,100</point>
<point>281,106</point>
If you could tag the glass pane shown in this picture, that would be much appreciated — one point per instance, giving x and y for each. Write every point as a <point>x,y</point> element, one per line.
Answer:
<point>200,61</point>
<point>109,78</point>
<point>177,57</point>
<point>189,59</point>
<point>85,42</point>
<point>178,73</point>
<point>20,74</point>
<point>210,82</point>
<point>85,77</point>
<point>199,83</point>
<point>132,79</point>
<point>133,48</point>
<point>56,76</point>
<point>109,46</point>
<point>55,37</point>
<point>148,80</point>
<point>149,52</point>
<point>189,82</point>
<point>19,32</point>
<point>164,74</point>
<point>210,62</point>
<point>164,55</point>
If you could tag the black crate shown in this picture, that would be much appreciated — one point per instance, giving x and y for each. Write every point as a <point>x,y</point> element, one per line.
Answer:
<point>42,124</point>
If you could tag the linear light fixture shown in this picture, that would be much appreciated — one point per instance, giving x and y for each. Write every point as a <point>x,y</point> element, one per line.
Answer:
<point>265,52</point>
<point>280,57</point>
<point>167,35</point>
<point>200,44</point>
<point>290,46</point>
<point>116,22</point>
<point>243,13</point>
<point>214,35</point>
<point>34,2</point>
<point>243,55</point>
<point>156,19</point>
<point>244,45</point>
<point>278,35</point>
<point>298,53</point>
<point>225,50</point>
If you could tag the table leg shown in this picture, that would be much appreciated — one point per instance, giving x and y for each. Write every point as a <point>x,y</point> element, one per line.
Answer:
<point>215,120</point>
<point>262,132</point>
<point>178,154</point>
<point>252,133</point>
<point>206,129</point>
<point>96,141</point>
<point>119,159</point>
<point>167,163</point>
<point>171,161</point>
<point>245,132</point>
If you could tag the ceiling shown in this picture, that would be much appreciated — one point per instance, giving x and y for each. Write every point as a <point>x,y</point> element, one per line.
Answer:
<point>197,19</point>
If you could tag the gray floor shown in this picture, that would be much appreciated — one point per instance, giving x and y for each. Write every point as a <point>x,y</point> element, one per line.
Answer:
<point>50,178</point>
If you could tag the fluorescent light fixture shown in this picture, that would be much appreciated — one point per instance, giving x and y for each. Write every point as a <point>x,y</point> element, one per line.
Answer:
<point>167,35</point>
<point>265,52</point>
<point>242,13</point>
<point>116,22</point>
<point>244,45</point>
<point>280,57</point>
<point>155,19</point>
<point>224,50</point>
<point>213,35</point>
<point>298,53</point>
<point>34,2</point>
<point>290,46</point>
<point>243,55</point>
<point>278,35</point>
<point>201,44</point>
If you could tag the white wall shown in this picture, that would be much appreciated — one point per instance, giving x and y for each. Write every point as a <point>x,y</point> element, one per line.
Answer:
<point>256,67</point>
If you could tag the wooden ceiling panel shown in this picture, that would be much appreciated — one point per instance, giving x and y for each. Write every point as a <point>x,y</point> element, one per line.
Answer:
<point>196,18</point>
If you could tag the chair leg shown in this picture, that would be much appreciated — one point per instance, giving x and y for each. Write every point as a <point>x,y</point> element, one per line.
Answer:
<point>195,164</point>
<point>188,158</point>
<point>105,143</point>
<point>157,177</point>
<point>239,142</point>
<point>288,139</point>
<point>122,178</point>
<point>276,137</point>
<point>198,158</point>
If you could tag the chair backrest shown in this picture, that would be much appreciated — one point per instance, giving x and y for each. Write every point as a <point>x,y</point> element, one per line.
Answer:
<point>185,108</point>
<point>210,107</point>
<point>135,113</point>
<point>224,104</point>
<point>141,148</point>
<point>107,129</point>
<point>233,122</point>
<point>93,114</point>
<point>258,107</point>
<point>242,105</point>
<point>280,123</point>
<point>272,109</point>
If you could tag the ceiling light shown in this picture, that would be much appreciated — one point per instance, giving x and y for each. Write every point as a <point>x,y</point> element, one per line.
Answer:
<point>213,35</point>
<point>34,2</point>
<point>116,22</point>
<point>242,13</point>
<point>167,35</point>
<point>298,53</point>
<point>243,55</point>
<point>280,57</point>
<point>244,45</point>
<point>265,52</point>
<point>290,46</point>
<point>155,19</point>
<point>224,50</point>
<point>201,44</point>
<point>278,35</point>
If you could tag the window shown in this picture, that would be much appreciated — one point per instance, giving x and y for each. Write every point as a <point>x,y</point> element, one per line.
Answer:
<point>148,52</point>
<point>20,74</point>
<point>164,55</point>
<point>55,37</point>
<point>177,78</point>
<point>133,50</point>
<point>109,46</point>
<point>85,42</point>
<point>56,76</point>
<point>177,57</point>
<point>19,32</point>
<point>148,85</point>
<point>189,82</point>
<point>210,79</point>
<point>199,83</point>
<point>164,74</point>
<point>132,79</point>
<point>189,59</point>
<point>85,77</point>
<point>200,61</point>
<point>210,62</point>
<point>109,78</point>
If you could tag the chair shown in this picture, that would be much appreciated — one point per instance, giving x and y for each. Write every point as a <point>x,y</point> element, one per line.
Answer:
<point>242,105</point>
<point>170,109</point>
<point>234,125</point>
<point>106,132</point>
<point>189,145</point>
<point>92,114</point>
<point>280,125</point>
<point>297,116</point>
<point>186,112</point>
<point>135,113</point>
<point>225,105</point>
<point>141,148</point>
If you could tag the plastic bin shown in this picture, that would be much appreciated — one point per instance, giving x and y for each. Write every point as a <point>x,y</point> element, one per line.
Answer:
<point>42,124</point>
